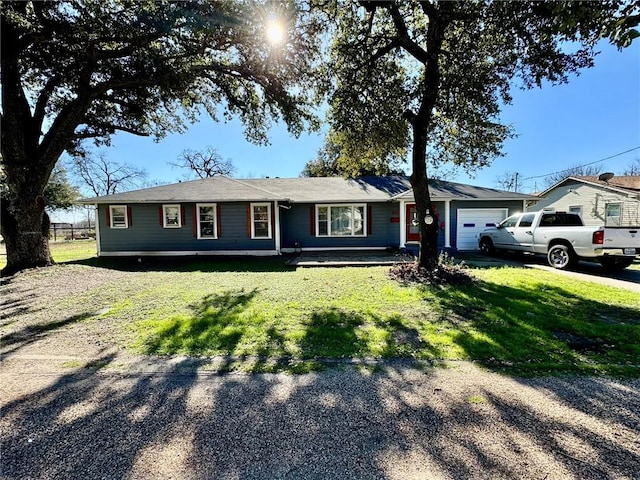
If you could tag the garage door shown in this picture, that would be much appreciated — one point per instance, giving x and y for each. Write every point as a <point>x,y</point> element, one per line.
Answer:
<point>472,221</point>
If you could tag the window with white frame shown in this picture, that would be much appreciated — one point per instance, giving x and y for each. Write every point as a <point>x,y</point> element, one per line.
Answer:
<point>260,220</point>
<point>340,220</point>
<point>613,214</point>
<point>118,216</point>
<point>207,224</point>
<point>171,216</point>
<point>576,209</point>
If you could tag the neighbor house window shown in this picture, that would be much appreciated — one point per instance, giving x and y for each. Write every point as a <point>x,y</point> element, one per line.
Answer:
<point>613,214</point>
<point>171,216</point>
<point>207,227</point>
<point>340,220</point>
<point>118,216</point>
<point>260,220</point>
<point>577,209</point>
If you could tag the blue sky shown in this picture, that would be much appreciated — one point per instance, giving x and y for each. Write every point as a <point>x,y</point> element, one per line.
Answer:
<point>595,115</point>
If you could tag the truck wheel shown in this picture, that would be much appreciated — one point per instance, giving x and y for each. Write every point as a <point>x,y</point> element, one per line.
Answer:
<point>486,247</point>
<point>615,263</point>
<point>561,257</point>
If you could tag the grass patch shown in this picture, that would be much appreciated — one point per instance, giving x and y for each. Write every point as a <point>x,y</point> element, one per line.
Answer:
<point>515,320</point>
<point>62,251</point>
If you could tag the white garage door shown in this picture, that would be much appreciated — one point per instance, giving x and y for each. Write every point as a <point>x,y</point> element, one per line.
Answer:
<point>472,221</point>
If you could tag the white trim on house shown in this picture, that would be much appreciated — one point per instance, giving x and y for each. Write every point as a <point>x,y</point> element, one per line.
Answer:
<point>215,221</point>
<point>447,224</point>
<point>277,235</point>
<point>332,249</point>
<point>164,215</point>
<point>253,220</point>
<point>403,222</point>
<point>97,223</point>
<point>193,253</point>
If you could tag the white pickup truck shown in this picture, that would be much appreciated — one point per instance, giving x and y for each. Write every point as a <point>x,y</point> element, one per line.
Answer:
<point>564,239</point>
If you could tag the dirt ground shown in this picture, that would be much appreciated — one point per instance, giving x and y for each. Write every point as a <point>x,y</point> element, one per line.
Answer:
<point>75,405</point>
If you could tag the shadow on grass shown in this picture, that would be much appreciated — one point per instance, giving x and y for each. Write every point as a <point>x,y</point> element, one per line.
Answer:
<point>188,264</point>
<point>215,325</point>
<point>14,341</point>
<point>541,329</point>
<point>231,325</point>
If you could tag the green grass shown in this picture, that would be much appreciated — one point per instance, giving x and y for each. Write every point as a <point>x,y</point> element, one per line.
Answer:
<point>517,320</point>
<point>62,251</point>
<point>520,320</point>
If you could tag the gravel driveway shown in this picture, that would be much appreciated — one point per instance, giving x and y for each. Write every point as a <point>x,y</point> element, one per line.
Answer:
<point>75,406</point>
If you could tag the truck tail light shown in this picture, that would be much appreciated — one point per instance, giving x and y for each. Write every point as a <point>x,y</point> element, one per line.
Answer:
<point>598,237</point>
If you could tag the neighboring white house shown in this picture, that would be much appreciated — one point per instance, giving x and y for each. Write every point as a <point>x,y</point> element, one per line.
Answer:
<point>605,200</point>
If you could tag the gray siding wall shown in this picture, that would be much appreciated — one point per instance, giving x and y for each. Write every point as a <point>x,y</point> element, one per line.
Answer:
<point>514,206</point>
<point>146,233</point>
<point>296,227</point>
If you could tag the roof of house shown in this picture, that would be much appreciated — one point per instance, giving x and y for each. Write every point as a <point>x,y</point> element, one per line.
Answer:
<point>302,190</point>
<point>221,189</point>
<point>624,184</point>
<point>627,182</point>
<point>443,190</point>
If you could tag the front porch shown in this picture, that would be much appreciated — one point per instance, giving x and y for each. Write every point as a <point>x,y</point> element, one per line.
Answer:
<point>346,258</point>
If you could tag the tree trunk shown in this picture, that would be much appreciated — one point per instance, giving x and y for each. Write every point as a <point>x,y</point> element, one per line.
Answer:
<point>428,254</point>
<point>421,123</point>
<point>25,229</point>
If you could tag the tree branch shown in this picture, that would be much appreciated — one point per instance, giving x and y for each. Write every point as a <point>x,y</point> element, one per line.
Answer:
<point>102,128</point>
<point>40,109</point>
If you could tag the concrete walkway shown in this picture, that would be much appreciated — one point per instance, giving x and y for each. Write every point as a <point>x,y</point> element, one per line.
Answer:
<point>349,258</point>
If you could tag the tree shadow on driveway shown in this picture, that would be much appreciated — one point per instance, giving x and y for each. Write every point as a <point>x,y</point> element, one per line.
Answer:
<point>342,423</point>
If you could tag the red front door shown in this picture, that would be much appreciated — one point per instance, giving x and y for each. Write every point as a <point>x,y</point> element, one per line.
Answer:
<point>413,229</point>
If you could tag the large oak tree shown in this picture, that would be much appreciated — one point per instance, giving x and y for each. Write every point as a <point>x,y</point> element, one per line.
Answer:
<point>84,69</point>
<point>433,75</point>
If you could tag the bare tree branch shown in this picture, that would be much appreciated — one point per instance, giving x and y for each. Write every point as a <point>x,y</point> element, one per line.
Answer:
<point>204,164</point>
<point>105,177</point>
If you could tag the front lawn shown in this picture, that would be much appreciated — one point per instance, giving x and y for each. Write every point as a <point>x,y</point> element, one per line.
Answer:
<point>62,251</point>
<point>520,320</point>
<point>516,319</point>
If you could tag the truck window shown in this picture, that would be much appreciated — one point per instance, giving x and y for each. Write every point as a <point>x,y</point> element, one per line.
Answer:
<point>510,222</point>
<point>561,219</point>
<point>527,220</point>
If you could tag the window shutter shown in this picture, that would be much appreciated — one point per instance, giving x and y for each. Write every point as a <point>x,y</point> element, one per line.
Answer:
<point>129,216</point>
<point>312,216</point>
<point>249,220</point>
<point>195,220</point>
<point>182,216</point>
<point>108,215</point>
<point>369,220</point>
<point>218,220</point>
<point>160,216</point>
